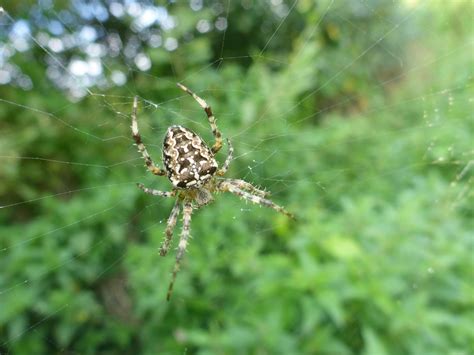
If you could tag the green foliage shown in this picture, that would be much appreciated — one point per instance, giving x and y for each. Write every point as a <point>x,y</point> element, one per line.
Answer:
<point>378,171</point>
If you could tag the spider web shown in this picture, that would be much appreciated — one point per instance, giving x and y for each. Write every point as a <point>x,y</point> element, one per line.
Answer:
<point>260,156</point>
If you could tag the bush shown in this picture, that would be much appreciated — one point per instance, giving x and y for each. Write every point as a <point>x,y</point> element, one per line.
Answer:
<point>374,158</point>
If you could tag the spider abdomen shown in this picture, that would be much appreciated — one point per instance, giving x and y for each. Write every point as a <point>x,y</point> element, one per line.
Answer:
<point>188,161</point>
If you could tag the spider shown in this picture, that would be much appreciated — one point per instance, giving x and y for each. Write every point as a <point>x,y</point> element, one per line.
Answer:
<point>191,167</point>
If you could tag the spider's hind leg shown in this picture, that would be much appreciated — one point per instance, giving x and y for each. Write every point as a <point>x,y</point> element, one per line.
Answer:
<point>139,143</point>
<point>230,155</point>
<point>157,192</point>
<point>183,242</point>
<point>170,225</point>
<point>210,116</point>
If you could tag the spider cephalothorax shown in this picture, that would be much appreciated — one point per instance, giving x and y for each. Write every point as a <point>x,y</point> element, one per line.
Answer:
<point>193,170</point>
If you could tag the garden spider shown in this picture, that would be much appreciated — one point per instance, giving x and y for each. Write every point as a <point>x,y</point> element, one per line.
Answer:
<point>192,169</point>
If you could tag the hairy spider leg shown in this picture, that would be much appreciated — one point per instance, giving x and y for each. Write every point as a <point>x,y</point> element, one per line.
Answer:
<point>244,185</point>
<point>183,242</point>
<point>139,143</point>
<point>165,246</point>
<point>229,186</point>
<point>230,155</point>
<point>157,192</point>
<point>210,116</point>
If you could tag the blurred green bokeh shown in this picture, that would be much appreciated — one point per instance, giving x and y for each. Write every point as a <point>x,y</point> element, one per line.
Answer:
<point>358,116</point>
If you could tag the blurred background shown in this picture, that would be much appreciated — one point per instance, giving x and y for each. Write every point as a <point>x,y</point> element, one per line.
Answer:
<point>357,115</point>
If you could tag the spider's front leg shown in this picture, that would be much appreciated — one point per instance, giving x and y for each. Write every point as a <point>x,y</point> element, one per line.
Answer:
<point>246,186</point>
<point>228,185</point>
<point>241,184</point>
<point>139,143</point>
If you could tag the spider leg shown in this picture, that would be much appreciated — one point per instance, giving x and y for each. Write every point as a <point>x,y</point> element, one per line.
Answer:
<point>183,242</point>
<point>244,185</point>
<point>210,116</point>
<point>230,155</point>
<point>157,192</point>
<point>165,246</point>
<point>226,186</point>
<point>139,143</point>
